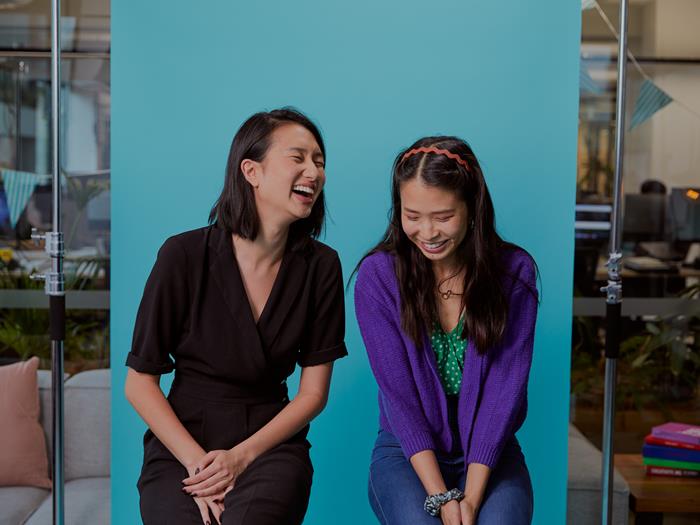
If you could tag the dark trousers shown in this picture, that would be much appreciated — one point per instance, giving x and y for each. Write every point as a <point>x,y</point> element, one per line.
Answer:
<point>273,490</point>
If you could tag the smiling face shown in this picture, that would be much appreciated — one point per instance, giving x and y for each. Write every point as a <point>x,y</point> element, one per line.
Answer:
<point>289,180</point>
<point>434,219</point>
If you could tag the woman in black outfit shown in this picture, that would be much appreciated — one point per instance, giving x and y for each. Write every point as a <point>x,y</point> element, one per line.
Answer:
<point>232,308</point>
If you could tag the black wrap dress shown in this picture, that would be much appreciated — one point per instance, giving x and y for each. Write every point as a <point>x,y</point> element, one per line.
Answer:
<point>230,372</point>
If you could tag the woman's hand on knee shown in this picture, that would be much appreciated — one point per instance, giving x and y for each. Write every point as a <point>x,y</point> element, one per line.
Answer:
<point>216,504</point>
<point>450,513</point>
<point>468,512</point>
<point>205,505</point>
<point>217,472</point>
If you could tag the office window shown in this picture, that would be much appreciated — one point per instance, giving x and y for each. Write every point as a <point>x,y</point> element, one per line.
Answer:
<point>25,188</point>
<point>659,368</point>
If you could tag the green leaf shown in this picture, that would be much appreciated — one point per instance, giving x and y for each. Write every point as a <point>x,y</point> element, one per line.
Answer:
<point>639,361</point>
<point>679,355</point>
<point>652,328</point>
<point>633,343</point>
<point>694,358</point>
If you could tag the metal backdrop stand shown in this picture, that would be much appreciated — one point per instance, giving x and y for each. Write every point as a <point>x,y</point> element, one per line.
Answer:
<point>613,290</point>
<point>54,280</point>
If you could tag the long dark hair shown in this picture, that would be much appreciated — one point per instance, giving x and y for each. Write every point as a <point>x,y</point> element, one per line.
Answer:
<point>235,209</point>
<point>481,251</point>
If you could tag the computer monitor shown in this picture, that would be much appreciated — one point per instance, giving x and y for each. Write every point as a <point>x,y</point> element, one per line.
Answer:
<point>592,222</point>
<point>644,217</point>
<point>684,209</point>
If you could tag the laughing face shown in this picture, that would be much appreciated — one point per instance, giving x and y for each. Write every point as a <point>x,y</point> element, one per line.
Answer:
<point>434,219</point>
<point>290,178</point>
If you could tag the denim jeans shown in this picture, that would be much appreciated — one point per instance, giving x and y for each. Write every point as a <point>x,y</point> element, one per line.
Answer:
<point>397,495</point>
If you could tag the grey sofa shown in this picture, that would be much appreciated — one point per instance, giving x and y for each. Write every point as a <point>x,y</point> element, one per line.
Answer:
<point>583,494</point>
<point>87,456</point>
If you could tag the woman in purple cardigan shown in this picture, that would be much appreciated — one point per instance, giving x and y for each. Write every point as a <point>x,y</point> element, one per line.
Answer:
<point>447,312</point>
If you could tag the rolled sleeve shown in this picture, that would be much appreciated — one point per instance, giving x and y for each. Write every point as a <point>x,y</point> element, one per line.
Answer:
<point>162,312</point>
<point>324,340</point>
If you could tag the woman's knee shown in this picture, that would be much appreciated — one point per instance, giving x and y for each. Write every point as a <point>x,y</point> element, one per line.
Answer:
<point>396,495</point>
<point>509,513</point>
<point>508,501</point>
<point>274,490</point>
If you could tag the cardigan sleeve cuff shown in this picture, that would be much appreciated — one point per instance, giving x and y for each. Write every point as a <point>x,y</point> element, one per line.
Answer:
<point>485,454</point>
<point>416,442</point>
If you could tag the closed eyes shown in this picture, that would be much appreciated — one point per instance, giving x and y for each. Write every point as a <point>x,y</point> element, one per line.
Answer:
<point>300,160</point>
<point>439,219</point>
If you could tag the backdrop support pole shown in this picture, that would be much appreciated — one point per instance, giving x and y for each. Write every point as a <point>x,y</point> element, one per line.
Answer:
<point>613,290</point>
<point>54,283</point>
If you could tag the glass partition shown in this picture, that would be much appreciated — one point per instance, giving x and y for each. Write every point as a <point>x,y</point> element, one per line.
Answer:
<point>25,186</point>
<point>659,366</point>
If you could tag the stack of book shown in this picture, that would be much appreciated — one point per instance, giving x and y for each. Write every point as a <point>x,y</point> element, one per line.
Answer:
<point>673,449</point>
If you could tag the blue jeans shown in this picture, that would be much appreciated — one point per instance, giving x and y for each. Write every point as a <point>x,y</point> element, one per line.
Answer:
<point>397,495</point>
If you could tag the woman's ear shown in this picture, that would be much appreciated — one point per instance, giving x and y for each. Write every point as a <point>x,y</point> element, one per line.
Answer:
<point>250,170</point>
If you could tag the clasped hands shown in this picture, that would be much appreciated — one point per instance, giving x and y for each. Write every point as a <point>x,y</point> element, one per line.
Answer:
<point>212,477</point>
<point>458,513</point>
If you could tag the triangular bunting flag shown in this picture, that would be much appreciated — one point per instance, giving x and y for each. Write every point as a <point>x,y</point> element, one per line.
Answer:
<point>650,100</point>
<point>19,187</point>
<point>586,83</point>
<point>587,4</point>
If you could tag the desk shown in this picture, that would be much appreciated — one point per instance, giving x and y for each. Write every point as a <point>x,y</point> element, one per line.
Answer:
<point>651,496</point>
<point>601,272</point>
<point>649,283</point>
<point>631,306</point>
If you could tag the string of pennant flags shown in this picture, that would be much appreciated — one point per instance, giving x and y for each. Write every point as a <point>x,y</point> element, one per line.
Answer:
<point>19,187</point>
<point>651,98</point>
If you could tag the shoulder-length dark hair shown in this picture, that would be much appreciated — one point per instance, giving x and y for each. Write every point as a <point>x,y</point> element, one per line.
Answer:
<point>481,252</point>
<point>235,209</point>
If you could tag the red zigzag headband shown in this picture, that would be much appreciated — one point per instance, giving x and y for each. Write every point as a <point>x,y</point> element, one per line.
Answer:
<point>437,151</point>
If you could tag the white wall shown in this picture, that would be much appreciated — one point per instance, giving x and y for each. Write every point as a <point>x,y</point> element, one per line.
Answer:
<point>666,147</point>
<point>676,27</point>
<point>675,132</point>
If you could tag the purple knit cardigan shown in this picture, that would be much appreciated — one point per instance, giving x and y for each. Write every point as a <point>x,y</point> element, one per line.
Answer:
<point>412,403</point>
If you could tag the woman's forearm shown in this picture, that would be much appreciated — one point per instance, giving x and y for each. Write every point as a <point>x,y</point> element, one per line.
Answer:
<point>474,487</point>
<point>290,420</point>
<point>144,393</point>
<point>426,466</point>
<point>306,405</point>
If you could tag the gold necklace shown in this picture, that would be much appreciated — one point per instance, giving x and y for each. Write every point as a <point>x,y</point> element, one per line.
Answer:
<point>448,293</point>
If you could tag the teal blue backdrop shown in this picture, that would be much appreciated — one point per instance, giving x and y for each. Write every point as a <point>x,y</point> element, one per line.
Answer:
<point>375,75</point>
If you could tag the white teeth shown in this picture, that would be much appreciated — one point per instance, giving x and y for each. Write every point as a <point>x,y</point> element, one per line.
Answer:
<point>304,189</point>
<point>433,245</point>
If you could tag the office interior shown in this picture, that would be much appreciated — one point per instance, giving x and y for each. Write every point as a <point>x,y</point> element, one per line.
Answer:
<point>660,226</point>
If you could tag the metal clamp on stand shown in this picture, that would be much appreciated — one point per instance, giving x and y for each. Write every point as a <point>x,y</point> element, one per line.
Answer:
<point>613,289</point>
<point>54,247</point>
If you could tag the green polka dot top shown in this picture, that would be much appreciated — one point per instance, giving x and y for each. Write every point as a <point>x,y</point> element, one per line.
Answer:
<point>449,352</point>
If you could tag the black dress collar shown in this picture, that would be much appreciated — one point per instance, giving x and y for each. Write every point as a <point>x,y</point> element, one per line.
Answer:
<point>285,290</point>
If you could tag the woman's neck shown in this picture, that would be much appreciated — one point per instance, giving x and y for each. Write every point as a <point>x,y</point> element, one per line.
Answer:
<point>266,250</point>
<point>446,269</point>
